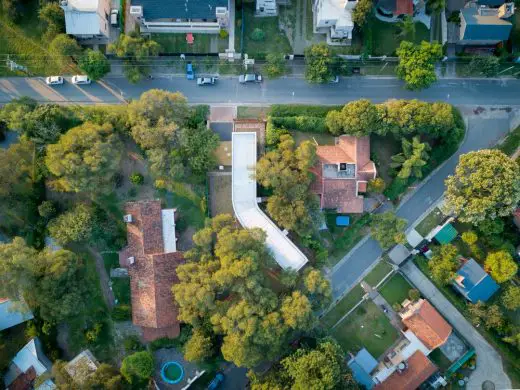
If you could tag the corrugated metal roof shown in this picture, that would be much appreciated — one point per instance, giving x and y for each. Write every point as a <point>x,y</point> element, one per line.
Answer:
<point>179,9</point>
<point>447,234</point>
<point>82,23</point>
<point>478,285</point>
<point>484,27</point>
<point>9,316</point>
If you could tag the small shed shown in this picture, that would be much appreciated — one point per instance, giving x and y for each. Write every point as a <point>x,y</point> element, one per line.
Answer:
<point>446,235</point>
<point>398,254</point>
<point>362,365</point>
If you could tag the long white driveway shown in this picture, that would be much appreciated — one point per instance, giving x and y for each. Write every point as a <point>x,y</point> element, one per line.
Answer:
<point>245,205</point>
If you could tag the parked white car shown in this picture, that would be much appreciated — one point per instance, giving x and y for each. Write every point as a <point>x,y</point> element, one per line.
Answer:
<point>80,79</point>
<point>54,80</point>
<point>206,80</point>
<point>114,14</point>
<point>250,78</point>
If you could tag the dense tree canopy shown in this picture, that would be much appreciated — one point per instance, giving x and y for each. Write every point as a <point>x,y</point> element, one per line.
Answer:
<point>51,282</point>
<point>73,226</point>
<point>413,158</point>
<point>511,297</point>
<point>285,171</point>
<point>416,63</point>
<point>322,367</point>
<point>388,229</point>
<point>362,12</point>
<point>224,287</point>
<point>64,47</point>
<point>106,377</point>
<point>501,266</point>
<point>138,367</point>
<point>444,263</point>
<point>318,63</point>
<point>94,64</point>
<point>54,18</point>
<point>84,159</point>
<point>486,185</point>
<point>358,118</point>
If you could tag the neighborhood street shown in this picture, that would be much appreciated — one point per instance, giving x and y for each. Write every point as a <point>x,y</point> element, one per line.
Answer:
<point>284,90</point>
<point>484,130</point>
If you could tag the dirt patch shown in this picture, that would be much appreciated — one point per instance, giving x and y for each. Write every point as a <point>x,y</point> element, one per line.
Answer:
<point>220,193</point>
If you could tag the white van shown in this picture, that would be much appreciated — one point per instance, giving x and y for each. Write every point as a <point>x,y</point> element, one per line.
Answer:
<point>80,79</point>
<point>113,17</point>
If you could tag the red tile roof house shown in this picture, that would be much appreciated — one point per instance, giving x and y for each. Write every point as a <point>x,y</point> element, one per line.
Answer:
<point>342,174</point>
<point>151,258</point>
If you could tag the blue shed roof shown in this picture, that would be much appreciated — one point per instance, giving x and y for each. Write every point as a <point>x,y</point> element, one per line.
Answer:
<point>484,27</point>
<point>477,285</point>
<point>366,360</point>
<point>360,375</point>
<point>179,9</point>
<point>11,316</point>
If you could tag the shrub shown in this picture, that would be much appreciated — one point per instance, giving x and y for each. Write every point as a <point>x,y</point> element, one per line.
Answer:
<point>132,344</point>
<point>47,210</point>
<point>414,294</point>
<point>282,110</point>
<point>122,313</point>
<point>396,188</point>
<point>309,124</point>
<point>93,333</point>
<point>136,178</point>
<point>223,34</point>
<point>272,133</point>
<point>257,35</point>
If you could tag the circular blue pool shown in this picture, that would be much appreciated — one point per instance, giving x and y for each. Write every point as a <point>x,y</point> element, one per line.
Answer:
<point>172,372</point>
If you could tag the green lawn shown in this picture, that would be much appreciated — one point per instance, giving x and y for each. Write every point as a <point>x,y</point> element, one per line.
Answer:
<point>396,289</point>
<point>275,40</point>
<point>378,273</point>
<point>440,359</point>
<point>429,222</point>
<point>111,260</point>
<point>343,306</point>
<point>121,288</point>
<point>320,138</point>
<point>366,327</point>
<point>251,112</point>
<point>385,38</point>
<point>176,43</point>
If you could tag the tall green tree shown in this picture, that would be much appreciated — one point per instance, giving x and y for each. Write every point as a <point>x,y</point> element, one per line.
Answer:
<point>444,263</point>
<point>285,171</point>
<point>84,159</point>
<point>511,297</point>
<point>416,63</point>
<point>486,185</point>
<point>72,226</point>
<point>64,48</point>
<point>198,347</point>
<point>138,367</point>
<point>362,12</point>
<point>135,50</point>
<point>275,65</point>
<point>94,64</point>
<point>501,266</point>
<point>318,63</point>
<point>412,159</point>
<point>357,118</point>
<point>388,229</point>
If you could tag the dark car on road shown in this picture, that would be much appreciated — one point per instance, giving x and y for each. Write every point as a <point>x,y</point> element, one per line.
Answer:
<point>189,71</point>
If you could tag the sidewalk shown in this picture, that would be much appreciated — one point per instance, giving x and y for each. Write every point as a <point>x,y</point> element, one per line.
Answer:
<point>489,362</point>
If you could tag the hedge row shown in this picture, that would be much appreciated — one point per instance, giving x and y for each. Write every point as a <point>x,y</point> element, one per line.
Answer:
<point>307,124</point>
<point>286,110</point>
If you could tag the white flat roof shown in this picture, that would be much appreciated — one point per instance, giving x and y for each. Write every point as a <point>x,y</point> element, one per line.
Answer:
<point>82,22</point>
<point>286,254</point>
<point>168,230</point>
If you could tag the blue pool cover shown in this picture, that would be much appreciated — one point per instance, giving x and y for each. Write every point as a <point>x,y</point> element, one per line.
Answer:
<point>342,220</point>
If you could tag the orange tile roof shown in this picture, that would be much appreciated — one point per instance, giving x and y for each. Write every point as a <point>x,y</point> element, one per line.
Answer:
<point>152,274</point>
<point>404,7</point>
<point>340,193</point>
<point>427,324</point>
<point>419,369</point>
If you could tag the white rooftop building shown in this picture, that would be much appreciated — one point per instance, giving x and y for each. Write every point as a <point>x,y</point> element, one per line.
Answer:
<point>86,18</point>
<point>245,205</point>
<point>334,18</point>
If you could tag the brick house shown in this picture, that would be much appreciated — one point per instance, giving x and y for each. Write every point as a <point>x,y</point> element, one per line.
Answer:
<point>342,174</point>
<point>151,258</point>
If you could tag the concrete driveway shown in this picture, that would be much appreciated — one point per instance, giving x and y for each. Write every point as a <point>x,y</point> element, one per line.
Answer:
<point>489,362</point>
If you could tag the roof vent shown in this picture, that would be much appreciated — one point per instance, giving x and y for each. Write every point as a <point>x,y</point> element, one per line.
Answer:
<point>342,166</point>
<point>136,10</point>
<point>128,218</point>
<point>131,260</point>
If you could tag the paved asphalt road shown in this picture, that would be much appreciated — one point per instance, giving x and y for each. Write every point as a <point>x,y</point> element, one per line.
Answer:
<point>482,132</point>
<point>285,90</point>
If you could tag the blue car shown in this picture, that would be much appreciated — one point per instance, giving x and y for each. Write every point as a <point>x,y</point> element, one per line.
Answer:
<point>216,382</point>
<point>189,71</point>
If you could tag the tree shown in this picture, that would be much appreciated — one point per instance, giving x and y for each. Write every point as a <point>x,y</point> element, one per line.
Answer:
<point>494,318</point>
<point>376,185</point>
<point>198,347</point>
<point>414,294</point>
<point>72,226</point>
<point>275,66</point>
<point>513,339</point>
<point>197,146</point>
<point>296,311</point>
<point>318,62</point>
<point>436,6</point>
<point>357,118</point>
<point>491,227</point>
<point>416,63</point>
<point>407,27</point>
<point>54,18</point>
<point>511,297</point>
<point>10,10</point>
<point>444,263</point>
<point>106,377</point>
<point>47,209</point>
<point>486,185</point>
<point>84,159</point>
<point>258,35</point>
<point>362,12</point>
<point>413,158</point>
<point>317,288</point>
<point>14,112</point>
<point>501,266</point>
<point>387,229</point>
<point>138,367</point>
<point>51,282</point>
<point>94,64</point>
<point>64,49</point>
<point>286,171</point>
<point>135,51</point>
<point>489,66</point>
<point>469,237</point>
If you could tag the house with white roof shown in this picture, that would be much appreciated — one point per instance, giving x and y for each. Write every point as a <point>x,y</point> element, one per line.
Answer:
<point>86,19</point>
<point>12,314</point>
<point>29,364</point>
<point>334,18</point>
